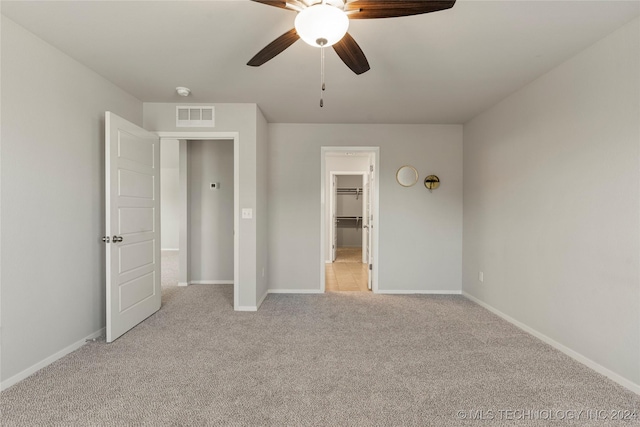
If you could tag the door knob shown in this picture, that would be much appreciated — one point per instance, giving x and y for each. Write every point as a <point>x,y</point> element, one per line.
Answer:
<point>117,239</point>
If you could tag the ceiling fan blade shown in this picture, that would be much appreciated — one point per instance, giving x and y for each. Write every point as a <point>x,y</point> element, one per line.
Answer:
<point>351,54</point>
<point>274,48</point>
<point>276,3</point>
<point>370,9</point>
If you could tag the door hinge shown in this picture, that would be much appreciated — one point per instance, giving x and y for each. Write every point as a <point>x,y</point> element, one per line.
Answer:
<point>106,239</point>
<point>370,266</point>
<point>370,168</point>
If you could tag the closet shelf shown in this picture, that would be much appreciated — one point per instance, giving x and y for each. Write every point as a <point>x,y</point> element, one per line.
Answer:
<point>349,190</point>
<point>357,219</point>
<point>356,191</point>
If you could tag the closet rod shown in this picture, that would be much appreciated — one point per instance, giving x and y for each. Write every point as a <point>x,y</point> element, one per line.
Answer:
<point>351,190</point>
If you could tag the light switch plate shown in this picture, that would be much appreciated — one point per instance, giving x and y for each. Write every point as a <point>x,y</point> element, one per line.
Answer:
<point>247,213</point>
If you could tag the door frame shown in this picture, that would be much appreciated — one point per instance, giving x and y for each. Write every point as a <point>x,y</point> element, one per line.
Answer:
<point>235,136</point>
<point>375,208</point>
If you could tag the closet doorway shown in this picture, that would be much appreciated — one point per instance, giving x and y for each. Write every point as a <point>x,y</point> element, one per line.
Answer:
<point>349,219</point>
<point>349,267</point>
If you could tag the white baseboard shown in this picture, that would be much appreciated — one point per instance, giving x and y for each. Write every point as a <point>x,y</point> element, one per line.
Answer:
<point>555,344</point>
<point>251,307</point>
<point>170,249</point>
<point>417,292</point>
<point>206,282</point>
<point>247,308</point>
<point>211,282</point>
<point>262,299</point>
<point>48,361</point>
<point>295,291</point>
<point>384,291</point>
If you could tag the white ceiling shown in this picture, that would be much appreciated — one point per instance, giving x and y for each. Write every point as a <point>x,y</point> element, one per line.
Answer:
<point>444,67</point>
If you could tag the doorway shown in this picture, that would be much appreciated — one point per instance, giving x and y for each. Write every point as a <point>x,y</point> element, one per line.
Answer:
<point>206,216</point>
<point>209,185</point>
<point>169,213</point>
<point>348,269</point>
<point>349,207</point>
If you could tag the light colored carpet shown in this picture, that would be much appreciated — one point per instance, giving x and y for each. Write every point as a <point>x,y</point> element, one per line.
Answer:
<point>333,359</point>
<point>170,268</point>
<point>170,274</point>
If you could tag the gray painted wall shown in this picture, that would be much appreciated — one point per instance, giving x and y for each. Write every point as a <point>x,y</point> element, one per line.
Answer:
<point>420,232</point>
<point>262,212</point>
<point>211,211</point>
<point>184,206</point>
<point>170,193</point>
<point>551,199</point>
<point>53,289</point>
<point>349,181</point>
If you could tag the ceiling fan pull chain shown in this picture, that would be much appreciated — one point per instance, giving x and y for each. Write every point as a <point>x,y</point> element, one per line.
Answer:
<point>322,88</point>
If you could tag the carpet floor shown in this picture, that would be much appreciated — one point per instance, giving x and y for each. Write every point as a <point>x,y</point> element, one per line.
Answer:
<point>334,359</point>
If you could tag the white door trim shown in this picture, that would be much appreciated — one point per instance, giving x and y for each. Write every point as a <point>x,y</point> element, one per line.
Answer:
<point>375,208</point>
<point>235,136</point>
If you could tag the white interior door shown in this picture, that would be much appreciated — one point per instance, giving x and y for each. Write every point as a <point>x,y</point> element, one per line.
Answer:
<point>334,217</point>
<point>132,224</point>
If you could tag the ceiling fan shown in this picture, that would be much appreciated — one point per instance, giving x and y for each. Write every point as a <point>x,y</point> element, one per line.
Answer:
<point>323,23</point>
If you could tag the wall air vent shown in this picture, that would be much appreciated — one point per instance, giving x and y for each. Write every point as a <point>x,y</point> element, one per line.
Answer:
<point>195,117</point>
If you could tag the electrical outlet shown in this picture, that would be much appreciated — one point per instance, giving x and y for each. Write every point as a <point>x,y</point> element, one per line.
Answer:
<point>247,213</point>
<point>481,276</point>
<point>214,185</point>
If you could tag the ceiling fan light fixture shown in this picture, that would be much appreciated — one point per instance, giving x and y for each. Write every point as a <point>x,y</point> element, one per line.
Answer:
<point>321,25</point>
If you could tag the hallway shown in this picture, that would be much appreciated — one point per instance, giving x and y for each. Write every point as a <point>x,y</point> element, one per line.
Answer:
<point>347,273</point>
